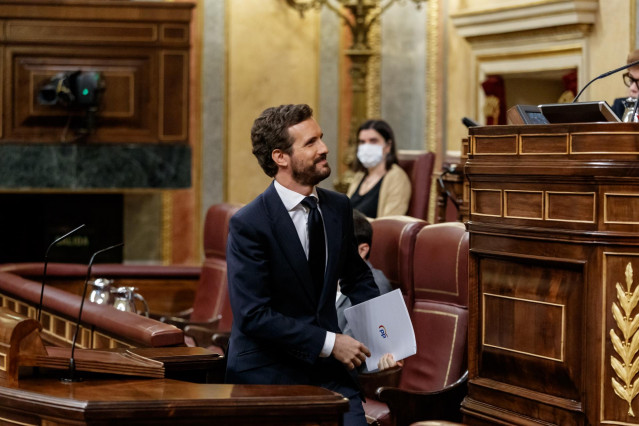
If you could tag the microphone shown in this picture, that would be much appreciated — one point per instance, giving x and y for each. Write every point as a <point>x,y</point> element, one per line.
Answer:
<point>46,256</point>
<point>71,377</point>
<point>606,74</point>
<point>469,123</point>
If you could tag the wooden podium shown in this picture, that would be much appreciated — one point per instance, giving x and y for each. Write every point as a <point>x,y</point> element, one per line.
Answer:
<point>116,393</point>
<point>554,274</point>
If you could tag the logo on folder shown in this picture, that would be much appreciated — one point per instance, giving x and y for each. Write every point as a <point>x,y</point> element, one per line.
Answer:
<point>382,331</point>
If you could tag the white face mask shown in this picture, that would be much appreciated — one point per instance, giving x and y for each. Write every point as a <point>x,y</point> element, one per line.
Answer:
<point>370,155</point>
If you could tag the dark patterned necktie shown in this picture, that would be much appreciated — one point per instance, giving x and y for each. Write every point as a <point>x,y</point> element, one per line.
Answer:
<point>317,243</point>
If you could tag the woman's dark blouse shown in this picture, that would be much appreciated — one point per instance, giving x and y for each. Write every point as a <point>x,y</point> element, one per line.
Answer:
<point>367,203</point>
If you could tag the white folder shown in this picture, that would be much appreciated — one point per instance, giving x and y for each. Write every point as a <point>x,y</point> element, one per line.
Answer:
<point>384,326</point>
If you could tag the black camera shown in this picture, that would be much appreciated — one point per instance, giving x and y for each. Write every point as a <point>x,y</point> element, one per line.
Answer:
<point>80,89</point>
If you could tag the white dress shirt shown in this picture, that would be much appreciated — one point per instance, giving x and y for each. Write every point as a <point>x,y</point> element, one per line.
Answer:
<point>299,215</point>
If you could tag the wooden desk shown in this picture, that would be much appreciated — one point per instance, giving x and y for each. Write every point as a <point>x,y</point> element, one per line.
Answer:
<point>554,224</point>
<point>166,402</point>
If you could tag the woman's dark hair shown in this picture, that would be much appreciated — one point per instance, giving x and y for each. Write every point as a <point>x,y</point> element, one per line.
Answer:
<point>384,129</point>
<point>270,132</point>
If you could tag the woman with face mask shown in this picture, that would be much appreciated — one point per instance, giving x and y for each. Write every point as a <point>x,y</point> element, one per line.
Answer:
<point>380,187</point>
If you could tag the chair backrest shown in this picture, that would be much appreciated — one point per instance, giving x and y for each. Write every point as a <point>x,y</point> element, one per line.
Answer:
<point>392,249</point>
<point>440,309</point>
<point>211,296</point>
<point>419,167</point>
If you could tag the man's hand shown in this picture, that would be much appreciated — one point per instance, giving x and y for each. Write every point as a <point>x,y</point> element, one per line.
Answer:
<point>388,361</point>
<point>349,351</point>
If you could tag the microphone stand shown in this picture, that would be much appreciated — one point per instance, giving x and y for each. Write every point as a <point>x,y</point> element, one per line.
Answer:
<point>606,74</point>
<point>46,261</point>
<point>71,378</point>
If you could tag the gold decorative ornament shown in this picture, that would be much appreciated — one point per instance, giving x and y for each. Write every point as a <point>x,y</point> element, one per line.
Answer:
<point>360,17</point>
<point>491,108</point>
<point>626,346</point>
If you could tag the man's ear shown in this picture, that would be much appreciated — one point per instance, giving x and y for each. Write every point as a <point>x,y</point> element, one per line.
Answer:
<point>280,157</point>
<point>363,250</point>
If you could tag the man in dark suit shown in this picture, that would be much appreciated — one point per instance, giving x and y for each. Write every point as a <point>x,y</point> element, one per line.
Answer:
<point>284,319</point>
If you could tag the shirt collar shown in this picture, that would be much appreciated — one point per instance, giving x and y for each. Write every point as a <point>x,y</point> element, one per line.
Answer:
<point>291,199</point>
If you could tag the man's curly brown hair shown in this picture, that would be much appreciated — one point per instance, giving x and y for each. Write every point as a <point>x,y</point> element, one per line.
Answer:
<point>270,132</point>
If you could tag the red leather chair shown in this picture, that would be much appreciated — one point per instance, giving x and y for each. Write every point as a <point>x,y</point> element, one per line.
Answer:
<point>433,381</point>
<point>211,311</point>
<point>392,250</point>
<point>419,168</point>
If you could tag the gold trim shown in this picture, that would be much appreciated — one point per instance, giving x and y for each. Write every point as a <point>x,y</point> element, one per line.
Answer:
<point>3,362</point>
<point>594,207</point>
<point>563,326</point>
<point>627,349</point>
<point>87,36</point>
<point>605,208</point>
<point>521,144</point>
<point>633,24</point>
<point>504,8</point>
<point>14,422</point>
<point>505,212</point>
<point>433,71</point>
<point>86,336</point>
<point>373,77</point>
<point>452,346</point>
<point>434,98</point>
<point>473,202</point>
<point>226,85</point>
<point>562,50</point>
<point>195,132</point>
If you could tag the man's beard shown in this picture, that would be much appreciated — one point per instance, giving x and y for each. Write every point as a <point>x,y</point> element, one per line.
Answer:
<point>310,176</point>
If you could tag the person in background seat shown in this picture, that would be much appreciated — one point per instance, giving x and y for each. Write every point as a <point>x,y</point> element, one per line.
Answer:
<point>631,80</point>
<point>380,186</point>
<point>364,238</point>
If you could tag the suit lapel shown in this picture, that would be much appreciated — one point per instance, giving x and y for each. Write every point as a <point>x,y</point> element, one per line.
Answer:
<point>288,240</point>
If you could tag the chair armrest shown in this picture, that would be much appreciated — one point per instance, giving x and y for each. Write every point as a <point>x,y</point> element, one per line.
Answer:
<point>221,340</point>
<point>370,382</point>
<point>201,332</point>
<point>182,323</point>
<point>178,319</point>
<point>407,407</point>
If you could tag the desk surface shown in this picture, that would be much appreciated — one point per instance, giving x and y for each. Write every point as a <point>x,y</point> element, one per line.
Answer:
<point>166,401</point>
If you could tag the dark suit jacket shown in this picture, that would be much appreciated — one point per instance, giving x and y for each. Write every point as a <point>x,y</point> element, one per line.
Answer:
<point>618,108</point>
<point>279,325</point>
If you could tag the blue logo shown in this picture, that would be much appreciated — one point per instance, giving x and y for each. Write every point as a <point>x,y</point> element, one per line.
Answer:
<point>382,331</point>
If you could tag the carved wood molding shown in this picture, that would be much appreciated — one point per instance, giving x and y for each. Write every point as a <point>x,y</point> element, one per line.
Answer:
<point>518,21</point>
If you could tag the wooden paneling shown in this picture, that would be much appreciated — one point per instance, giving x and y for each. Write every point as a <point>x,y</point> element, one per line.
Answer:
<point>486,202</point>
<point>124,114</point>
<point>501,145</point>
<point>543,144</point>
<point>146,86</point>
<point>173,95</point>
<point>552,284</point>
<point>524,204</point>
<point>46,400</point>
<point>570,206</point>
<point>43,31</point>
